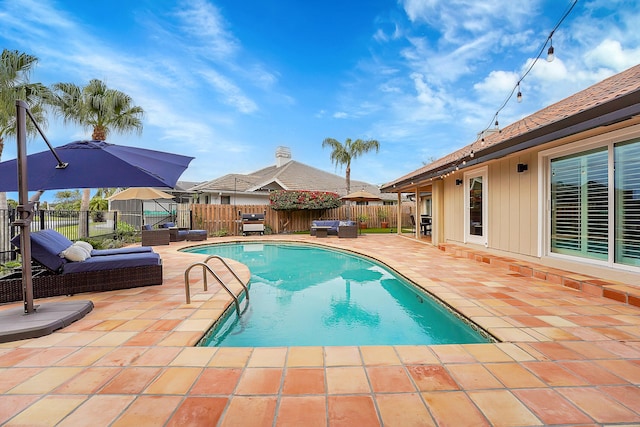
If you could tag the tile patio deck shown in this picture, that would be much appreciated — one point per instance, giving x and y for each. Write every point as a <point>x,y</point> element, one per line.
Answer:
<point>566,358</point>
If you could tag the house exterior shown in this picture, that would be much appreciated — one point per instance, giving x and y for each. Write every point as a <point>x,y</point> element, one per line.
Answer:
<point>560,187</point>
<point>286,174</point>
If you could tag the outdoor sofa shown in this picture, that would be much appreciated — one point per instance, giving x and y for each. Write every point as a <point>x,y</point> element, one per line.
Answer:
<point>336,227</point>
<point>66,273</point>
<point>177,234</point>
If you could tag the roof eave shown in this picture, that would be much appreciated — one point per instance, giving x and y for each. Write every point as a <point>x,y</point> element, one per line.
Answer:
<point>617,110</point>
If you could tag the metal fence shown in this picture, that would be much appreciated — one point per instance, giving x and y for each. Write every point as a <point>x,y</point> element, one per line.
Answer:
<point>98,223</point>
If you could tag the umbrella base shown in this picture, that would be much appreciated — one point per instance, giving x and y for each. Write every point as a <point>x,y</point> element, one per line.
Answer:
<point>16,325</point>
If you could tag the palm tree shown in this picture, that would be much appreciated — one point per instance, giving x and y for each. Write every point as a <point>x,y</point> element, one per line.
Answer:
<point>15,68</point>
<point>344,154</point>
<point>100,109</point>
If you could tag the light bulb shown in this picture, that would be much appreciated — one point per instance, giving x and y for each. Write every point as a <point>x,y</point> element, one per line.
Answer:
<point>550,54</point>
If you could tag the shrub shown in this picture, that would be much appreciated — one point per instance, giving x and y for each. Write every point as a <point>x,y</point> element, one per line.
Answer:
<point>302,199</point>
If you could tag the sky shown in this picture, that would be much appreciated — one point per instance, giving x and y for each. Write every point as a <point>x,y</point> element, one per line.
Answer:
<point>229,81</point>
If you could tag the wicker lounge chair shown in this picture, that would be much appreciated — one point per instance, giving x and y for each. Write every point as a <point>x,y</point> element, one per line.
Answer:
<point>103,270</point>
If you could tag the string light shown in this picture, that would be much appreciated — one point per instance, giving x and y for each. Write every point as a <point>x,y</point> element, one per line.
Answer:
<point>550,57</point>
<point>550,54</point>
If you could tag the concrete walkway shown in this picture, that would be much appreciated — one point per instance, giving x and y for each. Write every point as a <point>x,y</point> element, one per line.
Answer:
<point>566,358</point>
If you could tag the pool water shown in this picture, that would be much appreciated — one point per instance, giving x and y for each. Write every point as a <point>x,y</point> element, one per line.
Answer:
<point>302,295</point>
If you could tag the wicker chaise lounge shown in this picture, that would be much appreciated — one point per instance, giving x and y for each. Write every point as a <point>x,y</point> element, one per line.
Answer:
<point>101,270</point>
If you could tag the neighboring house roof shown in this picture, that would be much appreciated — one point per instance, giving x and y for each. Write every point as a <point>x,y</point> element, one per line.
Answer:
<point>293,175</point>
<point>612,100</point>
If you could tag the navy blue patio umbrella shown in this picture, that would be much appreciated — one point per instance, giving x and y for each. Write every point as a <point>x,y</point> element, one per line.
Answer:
<point>80,164</point>
<point>96,164</point>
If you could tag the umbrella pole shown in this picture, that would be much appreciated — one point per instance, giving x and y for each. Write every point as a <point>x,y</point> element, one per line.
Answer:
<point>25,207</point>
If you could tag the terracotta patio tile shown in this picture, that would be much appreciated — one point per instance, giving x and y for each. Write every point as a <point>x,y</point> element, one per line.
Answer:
<point>342,356</point>
<point>46,357</point>
<point>513,375</point>
<point>131,381</point>
<point>304,381</point>
<point>454,408</point>
<point>198,411</point>
<point>431,377</point>
<point>88,381</point>
<point>173,381</point>
<point>109,408</point>
<point>307,411</point>
<point>473,376</point>
<point>112,339</point>
<point>623,368</point>
<point>217,381</point>
<point>351,411</point>
<point>11,405</point>
<point>259,381</point>
<point>260,410</point>
<point>121,356</point>
<point>194,356</point>
<point>379,355</point>
<point>553,374</point>
<point>599,406</point>
<point>341,380</point>
<point>156,356</point>
<point>9,378</point>
<point>45,381</point>
<point>84,356</point>
<point>263,357</point>
<point>305,357</point>
<point>593,373</point>
<point>503,409</point>
<point>453,353</point>
<point>403,410</point>
<point>487,353</point>
<point>416,355</point>
<point>47,411</point>
<point>148,411</point>
<point>551,407</point>
<point>389,379</point>
<point>181,339</point>
<point>627,395</point>
<point>231,357</point>
<point>146,338</point>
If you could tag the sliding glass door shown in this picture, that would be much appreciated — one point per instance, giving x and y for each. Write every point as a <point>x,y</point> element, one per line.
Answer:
<point>595,204</point>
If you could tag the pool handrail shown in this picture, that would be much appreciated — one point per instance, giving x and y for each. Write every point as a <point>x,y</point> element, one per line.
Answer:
<point>205,268</point>
<point>231,270</point>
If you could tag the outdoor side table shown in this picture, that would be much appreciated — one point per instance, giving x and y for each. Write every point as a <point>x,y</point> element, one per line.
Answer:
<point>321,231</point>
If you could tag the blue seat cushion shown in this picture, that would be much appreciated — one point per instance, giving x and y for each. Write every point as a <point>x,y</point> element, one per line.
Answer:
<point>168,225</point>
<point>117,251</point>
<point>46,246</point>
<point>112,262</point>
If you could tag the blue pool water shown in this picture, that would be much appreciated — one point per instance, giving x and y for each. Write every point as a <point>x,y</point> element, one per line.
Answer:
<point>307,295</point>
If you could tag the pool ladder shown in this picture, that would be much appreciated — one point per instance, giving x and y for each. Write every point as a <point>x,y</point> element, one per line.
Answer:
<point>206,268</point>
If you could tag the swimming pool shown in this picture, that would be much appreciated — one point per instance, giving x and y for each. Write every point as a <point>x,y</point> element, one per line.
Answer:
<point>308,295</point>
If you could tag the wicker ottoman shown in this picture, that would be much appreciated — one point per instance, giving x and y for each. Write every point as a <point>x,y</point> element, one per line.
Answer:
<point>197,235</point>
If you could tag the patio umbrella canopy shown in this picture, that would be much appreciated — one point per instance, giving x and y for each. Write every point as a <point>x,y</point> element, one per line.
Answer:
<point>96,164</point>
<point>140,193</point>
<point>361,196</point>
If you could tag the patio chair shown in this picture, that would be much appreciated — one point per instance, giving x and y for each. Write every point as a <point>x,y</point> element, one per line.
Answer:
<point>72,268</point>
<point>177,234</point>
<point>155,237</point>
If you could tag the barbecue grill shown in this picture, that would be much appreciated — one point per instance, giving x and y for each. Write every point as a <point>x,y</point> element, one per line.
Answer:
<point>252,223</point>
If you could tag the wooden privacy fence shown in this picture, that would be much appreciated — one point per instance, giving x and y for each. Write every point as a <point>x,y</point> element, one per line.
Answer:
<point>224,219</point>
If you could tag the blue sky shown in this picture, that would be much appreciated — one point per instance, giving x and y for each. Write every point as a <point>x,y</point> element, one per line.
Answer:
<point>228,81</point>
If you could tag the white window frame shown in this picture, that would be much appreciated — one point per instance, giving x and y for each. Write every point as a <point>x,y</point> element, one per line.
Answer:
<point>468,237</point>
<point>544,192</point>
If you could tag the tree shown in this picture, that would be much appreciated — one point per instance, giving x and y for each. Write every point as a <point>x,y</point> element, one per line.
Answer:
<point>15,69</point>
<point>344,154</point>
<point>100,109</point>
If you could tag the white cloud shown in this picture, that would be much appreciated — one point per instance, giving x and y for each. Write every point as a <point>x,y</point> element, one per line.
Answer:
<point>232,94</point>
<point>610,54</point>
